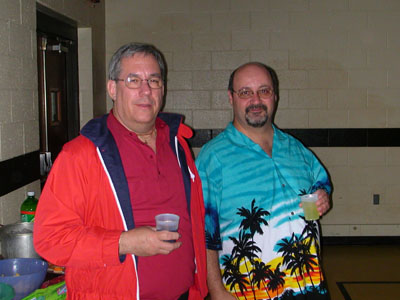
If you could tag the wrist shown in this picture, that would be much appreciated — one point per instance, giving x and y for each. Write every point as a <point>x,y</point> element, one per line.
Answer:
<point>120,244</point>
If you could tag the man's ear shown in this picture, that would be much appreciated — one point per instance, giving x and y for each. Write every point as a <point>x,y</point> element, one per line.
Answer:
<point>112,89</point>
<point>230,97</point>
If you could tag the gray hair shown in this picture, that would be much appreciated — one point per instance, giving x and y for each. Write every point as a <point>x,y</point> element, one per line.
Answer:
<point>128,50</point>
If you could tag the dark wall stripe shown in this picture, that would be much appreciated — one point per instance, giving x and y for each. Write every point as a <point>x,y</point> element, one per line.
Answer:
<point>22,170</point>
<point>361,240</point>
<point>329,137</point>
<point>18,172</point>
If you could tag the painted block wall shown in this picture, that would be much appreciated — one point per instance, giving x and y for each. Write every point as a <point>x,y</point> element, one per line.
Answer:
<point>338,62</point>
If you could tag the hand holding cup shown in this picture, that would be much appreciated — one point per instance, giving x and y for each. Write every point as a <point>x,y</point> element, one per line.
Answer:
<point>169,222</point>
<point>309,206</point>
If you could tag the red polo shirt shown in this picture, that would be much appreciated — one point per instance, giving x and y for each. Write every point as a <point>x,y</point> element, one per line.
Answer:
<point>156,186</point>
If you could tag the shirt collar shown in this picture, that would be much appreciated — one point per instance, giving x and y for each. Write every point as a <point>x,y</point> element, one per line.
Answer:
<point>117,128</point>
<point>241,139</point>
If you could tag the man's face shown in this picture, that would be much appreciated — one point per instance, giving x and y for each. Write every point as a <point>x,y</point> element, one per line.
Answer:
<point>255,111</point>
<point>136,109</point>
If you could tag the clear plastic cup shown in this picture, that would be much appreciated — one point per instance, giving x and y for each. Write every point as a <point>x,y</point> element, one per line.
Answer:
<point>309,206</point>
<point>169,222</point>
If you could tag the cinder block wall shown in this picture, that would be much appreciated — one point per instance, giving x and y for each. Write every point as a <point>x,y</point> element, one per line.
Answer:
<point>19,124</point>
<point>19,116</point>
<point>338,62</point>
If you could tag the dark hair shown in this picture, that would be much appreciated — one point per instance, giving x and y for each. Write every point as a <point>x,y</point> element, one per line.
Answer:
<point>128,50</point>
<point>271,72</point>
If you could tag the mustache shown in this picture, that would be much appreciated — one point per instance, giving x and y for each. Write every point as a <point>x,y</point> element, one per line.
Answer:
<point>256,106</point>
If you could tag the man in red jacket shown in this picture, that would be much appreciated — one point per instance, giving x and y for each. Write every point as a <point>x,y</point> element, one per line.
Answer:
<point>96,212</point>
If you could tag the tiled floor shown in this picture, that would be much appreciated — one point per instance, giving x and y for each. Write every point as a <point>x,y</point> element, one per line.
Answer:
<point>362,272</point>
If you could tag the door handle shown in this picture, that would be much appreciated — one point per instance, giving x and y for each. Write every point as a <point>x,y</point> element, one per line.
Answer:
<point>45,163</point>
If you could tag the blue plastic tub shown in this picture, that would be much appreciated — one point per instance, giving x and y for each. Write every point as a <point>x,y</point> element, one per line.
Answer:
<point>25,275</point>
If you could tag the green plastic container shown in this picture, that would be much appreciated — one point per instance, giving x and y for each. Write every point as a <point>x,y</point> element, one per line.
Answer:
<point>6,291</point>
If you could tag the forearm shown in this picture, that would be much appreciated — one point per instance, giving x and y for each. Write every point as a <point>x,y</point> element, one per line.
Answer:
<point>214,278</point>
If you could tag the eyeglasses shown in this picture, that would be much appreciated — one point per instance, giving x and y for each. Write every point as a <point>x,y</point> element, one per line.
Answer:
<point>263,93</point>
<point>135,82</point>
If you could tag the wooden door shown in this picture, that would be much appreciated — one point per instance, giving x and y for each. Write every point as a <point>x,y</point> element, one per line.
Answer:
<point>52,95</point>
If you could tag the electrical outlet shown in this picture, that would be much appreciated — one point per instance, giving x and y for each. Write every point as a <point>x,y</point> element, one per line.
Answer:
<point>376,199</point>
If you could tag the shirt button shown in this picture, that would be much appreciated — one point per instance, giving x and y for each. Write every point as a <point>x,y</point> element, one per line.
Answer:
<point>283,185</point>
<point>292,213</point>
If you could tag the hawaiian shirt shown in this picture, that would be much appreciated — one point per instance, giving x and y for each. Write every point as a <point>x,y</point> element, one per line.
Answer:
<point>267,250</point>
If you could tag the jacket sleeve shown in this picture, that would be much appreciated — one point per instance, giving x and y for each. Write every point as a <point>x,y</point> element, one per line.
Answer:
<point>199,290</point>
<point>66,232</point>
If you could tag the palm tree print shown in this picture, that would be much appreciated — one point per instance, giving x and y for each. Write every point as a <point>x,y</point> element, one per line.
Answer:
<point>260,274</point>
<point>298,257</point>
<point>253,219</point>
<point>248,277</point>
<point>311,233</point>
<point>276,279</point>
<point>233,276</point>
<point>212,239</point>
<point>245,249</point>
<point>291,256</point>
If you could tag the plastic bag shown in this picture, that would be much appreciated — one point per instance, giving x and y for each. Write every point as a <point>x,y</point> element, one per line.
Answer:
<point>53,292</point>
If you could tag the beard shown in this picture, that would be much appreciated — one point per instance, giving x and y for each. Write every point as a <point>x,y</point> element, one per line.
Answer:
<point>257,121</point>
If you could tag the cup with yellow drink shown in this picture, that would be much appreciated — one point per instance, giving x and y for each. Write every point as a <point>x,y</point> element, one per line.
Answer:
<point>310,207</point>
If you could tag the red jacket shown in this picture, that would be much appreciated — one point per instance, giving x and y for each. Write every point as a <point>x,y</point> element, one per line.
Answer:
<point>85,205</point>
